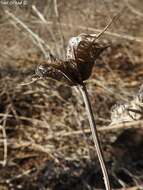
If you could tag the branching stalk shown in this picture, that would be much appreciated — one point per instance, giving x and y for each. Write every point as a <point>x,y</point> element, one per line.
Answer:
<point>95,135</point>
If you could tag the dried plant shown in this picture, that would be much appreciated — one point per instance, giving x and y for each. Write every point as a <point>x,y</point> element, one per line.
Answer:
<point>82,51</point>
<point>128,111</point>
<point>77,68</point>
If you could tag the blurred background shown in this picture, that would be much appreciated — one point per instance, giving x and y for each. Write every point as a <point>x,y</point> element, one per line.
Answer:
<point>45,141</point>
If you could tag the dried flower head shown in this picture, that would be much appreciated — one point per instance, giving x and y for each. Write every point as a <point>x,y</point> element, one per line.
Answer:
<point>82,51</point>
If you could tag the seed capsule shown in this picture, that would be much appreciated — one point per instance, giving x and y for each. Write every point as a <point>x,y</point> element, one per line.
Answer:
<point>82,51</point>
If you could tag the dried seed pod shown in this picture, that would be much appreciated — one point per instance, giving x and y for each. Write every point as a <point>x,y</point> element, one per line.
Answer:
<point>82,51</point>
<point>65,71</point>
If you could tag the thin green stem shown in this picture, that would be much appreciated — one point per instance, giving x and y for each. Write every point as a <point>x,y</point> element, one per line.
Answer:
<point>95,135</point>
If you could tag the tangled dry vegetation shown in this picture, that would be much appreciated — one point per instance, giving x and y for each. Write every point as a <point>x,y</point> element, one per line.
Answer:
<point>45,140</point>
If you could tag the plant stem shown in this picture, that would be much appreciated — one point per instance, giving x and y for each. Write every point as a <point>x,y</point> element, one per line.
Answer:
<point>95,135</point>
